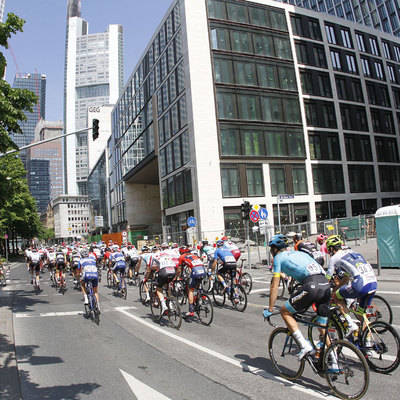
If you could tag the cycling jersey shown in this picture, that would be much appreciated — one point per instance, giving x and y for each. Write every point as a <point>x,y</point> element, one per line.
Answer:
<point>310,249</point>
<point>89,270</point>
<point>225,255</point>
<point>352,264</point>
<point>119,260</point>
<point>296,264</point>
<point>163,260</point>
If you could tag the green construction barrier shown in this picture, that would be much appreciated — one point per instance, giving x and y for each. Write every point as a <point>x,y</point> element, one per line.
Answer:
<point>134,236</point>
<point>95,238</point>
<point>387,220</point>
<point>351,228</point>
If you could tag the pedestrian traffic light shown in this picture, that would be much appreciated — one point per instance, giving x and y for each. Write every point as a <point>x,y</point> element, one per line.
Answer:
<point>95,127</point>
<point>246,207</point>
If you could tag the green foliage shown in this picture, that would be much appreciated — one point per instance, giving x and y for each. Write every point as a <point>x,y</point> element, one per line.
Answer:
<point>46,234</point>
<point>18,212</point>
<point>14,103</point>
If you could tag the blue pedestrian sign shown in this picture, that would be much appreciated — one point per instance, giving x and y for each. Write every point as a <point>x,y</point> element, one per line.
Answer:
<point>263,213</point>
<point>191,221</point>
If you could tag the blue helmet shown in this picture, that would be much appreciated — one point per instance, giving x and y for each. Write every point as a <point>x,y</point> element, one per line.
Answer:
<point>278,241</point>
<point>220,243</point>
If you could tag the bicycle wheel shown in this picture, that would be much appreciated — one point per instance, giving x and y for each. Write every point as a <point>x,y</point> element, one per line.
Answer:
<point>155,306</point>
<point>96,312</point>
<point>204,309</point>
<point>384,344</point>
<point>87,311</point>
<point>174,312</point>
<point>246,281</point>
<point>206,283</point>
<point>346,370</point>
<point>183,300</point>
<point>62,285</point>
<point>2,280</point>
<point>124,289</point>
<point>380,310</point>
<point>239,298</point>
<point>99,274</point>
<point>283,352</point>
<point>142,292</point>
<point>218,293</point>
<point>281,287</point>
<point>335,331</point>
<point>109,280</point>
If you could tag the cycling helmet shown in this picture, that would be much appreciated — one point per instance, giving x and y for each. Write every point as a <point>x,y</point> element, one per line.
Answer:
<point>220,243</point>
<point>224,238</point>
<point>145,248</point>
<point>205,242</point>
<point>183,250</point>
<point>175,245</point>
<point>278,241</point>
<point>155,248</point>
<point>334,241</point>
<point>164,245</point>
<point>84,253</point>
<point>321,238</point>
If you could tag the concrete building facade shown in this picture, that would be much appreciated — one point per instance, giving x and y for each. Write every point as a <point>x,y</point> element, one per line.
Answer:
<point>236,101</point>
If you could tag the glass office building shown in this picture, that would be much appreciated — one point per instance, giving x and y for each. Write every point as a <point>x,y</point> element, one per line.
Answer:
<point>253,100</point>
<point>378,14</point>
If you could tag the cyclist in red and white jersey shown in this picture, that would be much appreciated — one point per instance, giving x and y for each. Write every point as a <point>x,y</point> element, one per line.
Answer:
<point>228,244</point>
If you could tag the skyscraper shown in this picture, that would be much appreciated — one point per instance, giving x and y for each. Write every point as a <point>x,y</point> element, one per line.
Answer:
<point>378,14</point>
<point>93,77</point>
<point>36,83</point>
<point>2,7</point>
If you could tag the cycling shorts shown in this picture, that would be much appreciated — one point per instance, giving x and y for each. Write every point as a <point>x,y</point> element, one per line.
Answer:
<point>120,268</point>
<point>60,266</point>
<point>165,275</point>
<point>198,273</point>
<point>35,265</point>
<point>314,289</point>
<point>229,268</point>
<point>357,290</point>
<point>91,276</point>
<point>133,262</point>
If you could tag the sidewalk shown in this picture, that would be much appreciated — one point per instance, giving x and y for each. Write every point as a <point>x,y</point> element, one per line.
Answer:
<point>9,378</point>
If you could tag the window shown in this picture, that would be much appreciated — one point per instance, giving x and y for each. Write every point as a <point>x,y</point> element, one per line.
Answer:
<point>319,56</point>
<point>389,178</point>
<point>349,89</point>
<point>282,48</point>
<point>330,33</point>
<point>379,70</point>
<point>362,178</point>
<point>386,149</point>
<point>263,45</point>
<point>358,147</point>
<point>328,178</point>
<point>249,107</point>
<point>382,121</point>
<point>297,25</point>
<point>241,41</point>
<point>374,46</point>
<point>335,58</point>
<point>281,143</point>
<point>316,83</point>
<point>392,76</point>
<point>397,53</point>
<point>278,180</point>
<point>230,180</point>
<point>237,13</point>
<point>299,179</point>
<point>324,146</point>
<point>245,73</point>
<point>226,105</point>
<point>353,118</point>
<point>386,50</point>
<point>365,67</point>
<point>216,9</point>
<point>253,142</point>
<point>219,39</point>
<point>267,76</point>
<point>320,114</point>
<point>230,144</point>
<point>346,38</point>
<point>330,209</point>
<point>255,181</point>
<point>314,28</point>
<point>223,71</point>
<point>360,42</point>
<point>351,64</point>
<point>396,96</point>
<point>364,206</point>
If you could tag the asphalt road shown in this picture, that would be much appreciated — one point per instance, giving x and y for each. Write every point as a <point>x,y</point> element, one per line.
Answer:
<point>62,355</point>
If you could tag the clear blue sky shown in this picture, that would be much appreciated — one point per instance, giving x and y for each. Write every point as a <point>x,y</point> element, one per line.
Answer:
<point>41,46</point>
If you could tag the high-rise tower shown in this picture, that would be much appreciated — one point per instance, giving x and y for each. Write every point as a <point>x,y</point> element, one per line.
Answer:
<point>93,77</point>
<point>2,7</point>
<point>36,83</point>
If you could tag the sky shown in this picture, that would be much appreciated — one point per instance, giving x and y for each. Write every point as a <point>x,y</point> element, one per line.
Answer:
<point>41,47</point>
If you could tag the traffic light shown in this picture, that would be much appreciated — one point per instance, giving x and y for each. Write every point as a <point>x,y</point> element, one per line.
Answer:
<point>246,207</point>
<point>95,127</point>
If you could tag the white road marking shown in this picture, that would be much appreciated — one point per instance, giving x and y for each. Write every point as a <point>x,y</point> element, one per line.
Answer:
<point>385,292</point>
<point>50,314</point>
<point>232,361</point>
<point>140,390</point>
<point>259,291</point>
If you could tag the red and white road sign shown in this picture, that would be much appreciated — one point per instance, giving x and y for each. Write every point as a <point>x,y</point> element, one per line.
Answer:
<point>254,215</point>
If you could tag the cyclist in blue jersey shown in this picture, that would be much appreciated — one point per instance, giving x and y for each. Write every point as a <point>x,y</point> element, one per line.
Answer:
<point>357,278</point>
<point>118,261</point>
<point>88,267</point>
<point>314,288</point>
<point>228,262</point>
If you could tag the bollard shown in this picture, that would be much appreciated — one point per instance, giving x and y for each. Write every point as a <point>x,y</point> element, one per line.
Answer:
<point>355,244</point>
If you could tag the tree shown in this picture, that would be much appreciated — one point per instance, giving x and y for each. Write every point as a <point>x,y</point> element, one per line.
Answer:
<point>14,103</point>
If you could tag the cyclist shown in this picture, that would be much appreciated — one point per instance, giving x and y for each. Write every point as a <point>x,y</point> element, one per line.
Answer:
<point>197,273</point>
<point>321,240</point>
<point>315,288</point>
<point>146,258</point>
<point>89,273</point>
<point>309,248</point>
<point>228,262</point>
<point>60,265</point>
<point>51,258</point>
<point>34,266</point>
<point>118,262</point>
<point>358,281</point>
<point>74,264</point>
<point>131,258</point>
<point>232,247</point>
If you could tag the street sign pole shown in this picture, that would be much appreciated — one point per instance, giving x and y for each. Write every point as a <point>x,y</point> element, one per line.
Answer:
<point>6,238</point>
<point>248,242</point>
